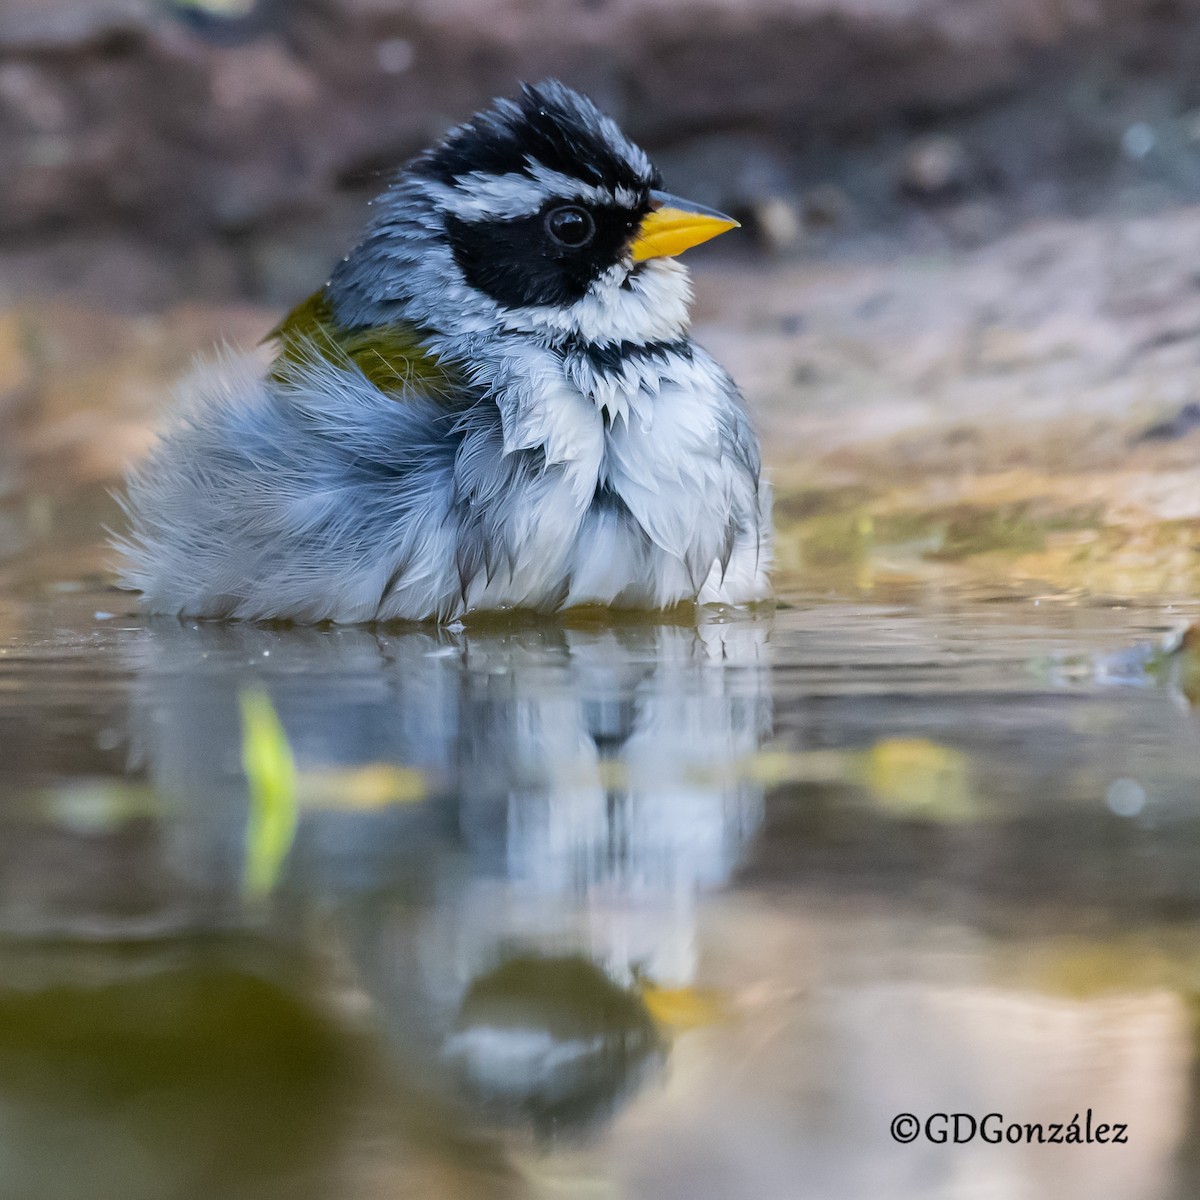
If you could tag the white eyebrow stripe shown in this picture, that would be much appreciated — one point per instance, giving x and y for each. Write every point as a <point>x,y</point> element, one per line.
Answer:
<point>479,196</point>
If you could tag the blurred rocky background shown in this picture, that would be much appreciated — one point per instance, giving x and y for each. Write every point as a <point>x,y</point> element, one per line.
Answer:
<point>968,255</point>
<point>155,150</point>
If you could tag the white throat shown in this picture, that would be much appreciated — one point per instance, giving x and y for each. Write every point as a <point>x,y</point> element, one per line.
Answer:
<point>649,303</point>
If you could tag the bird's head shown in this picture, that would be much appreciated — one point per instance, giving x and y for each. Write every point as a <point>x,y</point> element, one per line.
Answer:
<point>537,217</point>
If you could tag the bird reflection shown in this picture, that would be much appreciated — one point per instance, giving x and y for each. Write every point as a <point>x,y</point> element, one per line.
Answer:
<point>579,790</point>
<point>552,1040</point>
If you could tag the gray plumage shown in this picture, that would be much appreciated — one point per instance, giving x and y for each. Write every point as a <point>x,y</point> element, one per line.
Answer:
<point>588,452</point>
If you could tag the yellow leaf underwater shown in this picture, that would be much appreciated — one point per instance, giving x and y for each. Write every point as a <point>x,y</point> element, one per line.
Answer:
<point>920,779</point>
<point>271,775</point>
<point>680,1009</point>
<point>278,792</point>
<point>362,789</point>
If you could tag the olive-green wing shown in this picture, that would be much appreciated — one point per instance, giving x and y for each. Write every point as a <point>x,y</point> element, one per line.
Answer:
<point>392,356</point>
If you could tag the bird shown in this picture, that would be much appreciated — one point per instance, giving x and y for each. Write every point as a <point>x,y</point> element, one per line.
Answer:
<point>493,403</point>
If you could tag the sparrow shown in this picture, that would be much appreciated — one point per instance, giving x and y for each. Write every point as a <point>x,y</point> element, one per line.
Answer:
<point>493,403</point>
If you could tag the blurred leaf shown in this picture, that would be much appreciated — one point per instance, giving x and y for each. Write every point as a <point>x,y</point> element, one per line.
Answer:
<point>377,785</point>
<point>1187,658</point>
<point>1174,661</point>
<point>680,1009</point>
<point>920,779</point>
<point>611,774</point>
<point>775,767</point>
<point>1081,967</point>
<point>102,805</point>
<point>271,774</point>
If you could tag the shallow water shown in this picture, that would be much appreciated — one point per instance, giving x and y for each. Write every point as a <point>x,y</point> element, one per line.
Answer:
<point>639,911</point>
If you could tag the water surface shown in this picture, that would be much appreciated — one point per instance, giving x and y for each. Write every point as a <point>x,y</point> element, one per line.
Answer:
<point>647,910</point>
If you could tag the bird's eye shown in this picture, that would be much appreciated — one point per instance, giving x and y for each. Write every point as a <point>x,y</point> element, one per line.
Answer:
<point>570,226</point>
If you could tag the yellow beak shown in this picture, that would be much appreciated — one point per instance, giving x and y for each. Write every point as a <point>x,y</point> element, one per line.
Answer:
<point>674,225</point>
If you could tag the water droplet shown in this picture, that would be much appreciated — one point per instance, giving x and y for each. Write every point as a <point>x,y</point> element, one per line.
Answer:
<point>1138,140</point>
<point>1125,797</point>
